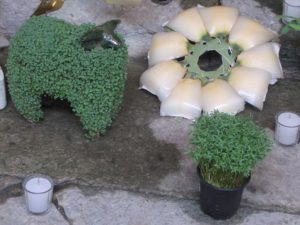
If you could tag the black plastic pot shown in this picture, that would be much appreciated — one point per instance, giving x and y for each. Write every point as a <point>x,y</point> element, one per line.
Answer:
<point>220,203</point>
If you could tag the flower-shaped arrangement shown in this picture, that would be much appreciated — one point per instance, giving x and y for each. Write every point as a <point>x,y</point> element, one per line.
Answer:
<point>250,62</point>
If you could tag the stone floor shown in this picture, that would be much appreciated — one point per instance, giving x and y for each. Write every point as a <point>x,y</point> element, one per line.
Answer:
<point>139,173</point>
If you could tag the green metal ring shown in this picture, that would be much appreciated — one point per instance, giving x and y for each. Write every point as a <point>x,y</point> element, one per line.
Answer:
<point>220,45</point>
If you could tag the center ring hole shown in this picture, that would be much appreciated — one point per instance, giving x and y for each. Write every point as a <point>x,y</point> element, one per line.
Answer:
<point>210,61</point>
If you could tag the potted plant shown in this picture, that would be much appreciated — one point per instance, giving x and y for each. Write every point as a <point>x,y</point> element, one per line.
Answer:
<point>226,149</point>
<point>292,24</point>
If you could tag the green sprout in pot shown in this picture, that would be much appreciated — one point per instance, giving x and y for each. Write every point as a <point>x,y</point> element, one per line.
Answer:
<point>292,23</point>
<point>227,148</point>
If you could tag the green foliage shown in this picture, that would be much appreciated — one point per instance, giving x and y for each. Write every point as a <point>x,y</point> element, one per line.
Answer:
<point>227,148</point>
<point>46,58</point>
<point>294,24</point>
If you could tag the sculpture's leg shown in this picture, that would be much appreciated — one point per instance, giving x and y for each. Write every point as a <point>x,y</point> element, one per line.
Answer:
<point>94,119</point>
<point>27,103</point>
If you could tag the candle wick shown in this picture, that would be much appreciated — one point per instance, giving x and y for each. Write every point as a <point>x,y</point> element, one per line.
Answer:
<point>38,180</point>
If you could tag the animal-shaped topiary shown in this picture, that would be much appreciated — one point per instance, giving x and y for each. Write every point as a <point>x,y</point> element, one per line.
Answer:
<point>46,57</point>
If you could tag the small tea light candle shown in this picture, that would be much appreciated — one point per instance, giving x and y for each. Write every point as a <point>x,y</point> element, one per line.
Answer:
<point>38,193</point>
<point>291,8</point>
<point>287,128</point>
<point>2,91</point>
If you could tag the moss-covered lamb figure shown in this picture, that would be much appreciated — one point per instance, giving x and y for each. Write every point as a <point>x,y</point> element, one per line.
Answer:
<point>47,57</point>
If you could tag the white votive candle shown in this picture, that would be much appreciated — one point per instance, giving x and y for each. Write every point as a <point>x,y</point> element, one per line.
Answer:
<point>38,193</point>
<point>287,128</point>
<point>291,8</point>
<point>2,91</point>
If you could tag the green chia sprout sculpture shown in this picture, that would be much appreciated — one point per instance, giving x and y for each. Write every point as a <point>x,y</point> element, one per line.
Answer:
<point>48,56</point>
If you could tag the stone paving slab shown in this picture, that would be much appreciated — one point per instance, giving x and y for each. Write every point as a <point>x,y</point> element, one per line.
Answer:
<point>141,151</point>
<point>14,13</point>
<point>14,212</point>
<point>3,42</point>
<point>271,218</point>
<point>115,207</point>
<point>275,181</point>
<point>121,207</point>
<point>137,25</point>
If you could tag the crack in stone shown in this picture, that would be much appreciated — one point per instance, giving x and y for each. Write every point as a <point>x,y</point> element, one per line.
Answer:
<point>16,190</point>
<point>11,191</point>
<point>61,210</point>
<point>271,209</point>
<point>57,188</point>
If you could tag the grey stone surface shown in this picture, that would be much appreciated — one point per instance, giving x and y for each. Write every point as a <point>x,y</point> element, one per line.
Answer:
<point>121,207</point>
<point>275,181</point>
<point>276,174</point>
<point>283,96</point>
<point>143,152</point>
<point>138,22</point>
<point>10,186</point>
<point>14,212</point>
<point>253,9</point>
<point>176,131</point>
<point>3,42</point>
<point>148,15</point>
<point>14,13</point>
<point>86,206</point>
<point>57,145</point>
<point>271,218</point>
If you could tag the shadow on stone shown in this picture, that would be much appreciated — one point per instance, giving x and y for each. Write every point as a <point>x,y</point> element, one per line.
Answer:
<point>283,96</point>
<point>127,156</point>
<point>274,5</point>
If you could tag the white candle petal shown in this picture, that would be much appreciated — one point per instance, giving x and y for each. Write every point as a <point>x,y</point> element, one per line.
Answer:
<point>247,33</point>
<point>265,57</point>
<point>3,101</point>
<point>291,9</point>
<point>162,78</point>
<point>184,100</point>
<point>218,19</point>
<point>38,192</point>
<point>166,46</point>
<point>218,95</point>
<point>190,24</point>
<point>251,84</point>
<point>287,128</point>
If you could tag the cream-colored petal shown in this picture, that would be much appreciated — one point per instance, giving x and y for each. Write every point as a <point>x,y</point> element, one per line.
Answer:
<point>184,100</point>
<point>190,24</point>
<point>166,46</point>
<point>265,57</point>
<point>251,84</point>
<point>162,78</point>
<point>247,33</point>
<point>218,95</point>
<point>218,19</point>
